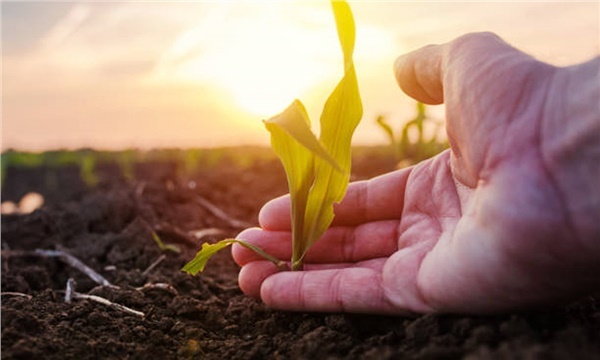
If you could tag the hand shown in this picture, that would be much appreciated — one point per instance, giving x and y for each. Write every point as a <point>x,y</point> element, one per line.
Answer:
<point>508,218</point>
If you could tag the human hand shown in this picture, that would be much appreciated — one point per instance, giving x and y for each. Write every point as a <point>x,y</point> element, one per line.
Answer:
<point>508,218</point>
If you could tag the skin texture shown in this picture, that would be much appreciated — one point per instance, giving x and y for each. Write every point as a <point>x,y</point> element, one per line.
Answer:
<point>508,218</point>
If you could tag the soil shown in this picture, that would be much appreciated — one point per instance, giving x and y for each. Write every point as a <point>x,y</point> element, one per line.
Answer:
<point>109,228</point>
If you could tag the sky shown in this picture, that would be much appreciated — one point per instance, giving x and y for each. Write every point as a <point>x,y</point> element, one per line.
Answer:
<point>124,74</point>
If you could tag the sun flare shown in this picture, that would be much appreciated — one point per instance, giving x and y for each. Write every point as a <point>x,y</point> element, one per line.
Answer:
<point>262,57</point>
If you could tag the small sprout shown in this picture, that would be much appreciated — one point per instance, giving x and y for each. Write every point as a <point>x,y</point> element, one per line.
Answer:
<point>318,170</point>
<point>163,246</point>
<point>412,149</point>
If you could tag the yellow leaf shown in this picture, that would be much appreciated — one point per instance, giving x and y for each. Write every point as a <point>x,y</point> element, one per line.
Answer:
<point>316,183</point>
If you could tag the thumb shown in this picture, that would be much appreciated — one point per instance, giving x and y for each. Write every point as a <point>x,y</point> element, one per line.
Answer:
<point>419,74</point>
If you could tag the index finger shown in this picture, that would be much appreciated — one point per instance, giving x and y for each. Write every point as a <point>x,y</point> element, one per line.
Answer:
<point>381,198</point>
<point>354,289</point>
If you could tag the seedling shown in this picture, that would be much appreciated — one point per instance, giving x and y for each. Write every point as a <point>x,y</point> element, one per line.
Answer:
<point>87,168</point>
<point>162,246</point>
<point>318,170</point>
<point>421,148</point>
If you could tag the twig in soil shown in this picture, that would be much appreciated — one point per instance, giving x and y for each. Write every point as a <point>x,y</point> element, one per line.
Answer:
<point>67,258</point>
<point>221,214</point>
<point>162,286</point>
<point>107,302</point>
<point>154,264</point>
<point>199,234</point>
<point>69,290</point>
<point>76,263</point>
<point>12,293</point>
<point>70,294</point>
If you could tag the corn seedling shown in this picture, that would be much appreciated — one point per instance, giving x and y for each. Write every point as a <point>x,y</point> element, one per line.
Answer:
<point>318,170</point>
<point>421,148</point>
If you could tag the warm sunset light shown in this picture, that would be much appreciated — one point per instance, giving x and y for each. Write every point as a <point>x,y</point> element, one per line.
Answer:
<point>263,61</point>
<point>190,179</point>
<point>156,74</point>
<point>267,57</point>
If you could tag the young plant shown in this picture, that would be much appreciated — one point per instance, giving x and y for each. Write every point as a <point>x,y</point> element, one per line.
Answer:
<point>421,148</point>
<point>318,170</point>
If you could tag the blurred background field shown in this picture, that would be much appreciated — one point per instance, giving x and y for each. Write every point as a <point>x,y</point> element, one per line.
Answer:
<point>60,176</point>
<point>137,74</point>
<point>63,175</point>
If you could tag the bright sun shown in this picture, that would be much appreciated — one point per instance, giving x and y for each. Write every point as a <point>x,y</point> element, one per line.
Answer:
<point>262,56</point>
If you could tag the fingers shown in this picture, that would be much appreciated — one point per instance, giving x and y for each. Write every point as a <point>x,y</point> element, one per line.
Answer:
<point>340,290</point>
<point>387,285</point>
<point>338,244</point>
<point>423,74</point>
<point>252,276</point>
<point>419,74</point>
<point>380,198</point>
<point>331,290</point>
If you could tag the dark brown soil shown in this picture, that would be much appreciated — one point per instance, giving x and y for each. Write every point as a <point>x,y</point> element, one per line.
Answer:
<point>109,228</point>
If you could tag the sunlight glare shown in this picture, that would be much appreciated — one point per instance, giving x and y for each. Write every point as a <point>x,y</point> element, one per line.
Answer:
<point>264,57</point>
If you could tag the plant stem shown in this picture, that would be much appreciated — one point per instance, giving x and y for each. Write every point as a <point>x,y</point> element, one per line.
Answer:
<point>298,265</point>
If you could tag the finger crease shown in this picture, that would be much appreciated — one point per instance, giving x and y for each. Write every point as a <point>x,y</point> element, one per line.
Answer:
<point>337,287</point>
<point>348,244</point>
<point>363,201</point>
<point>301,294</point>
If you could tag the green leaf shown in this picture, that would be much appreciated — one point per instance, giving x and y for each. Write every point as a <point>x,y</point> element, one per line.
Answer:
<point>318,171</point>
<point>298,163</point>
<point>341,115</point>
<point>208,250</point>
<point>294,121</point>
<point>346,30</point>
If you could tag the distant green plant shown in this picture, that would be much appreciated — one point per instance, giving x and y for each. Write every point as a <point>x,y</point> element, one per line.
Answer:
<point>23,159</point>
<point>415,150</point>
<point>84,159</point>
<point>318,170</point>
<point>191,160</point>
<point>126,160</point>
<point>87,167</point>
